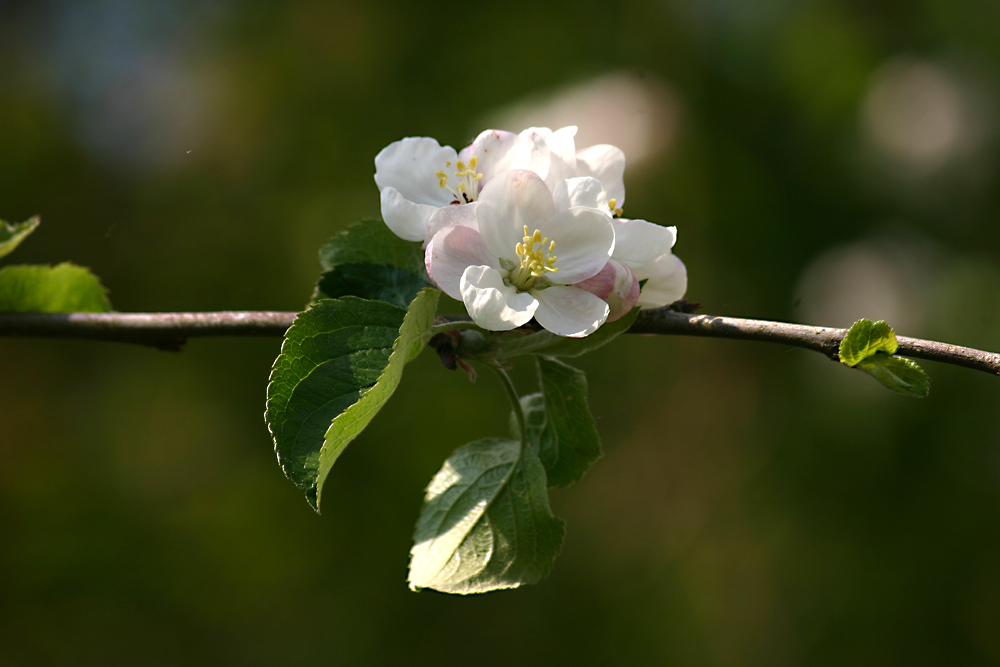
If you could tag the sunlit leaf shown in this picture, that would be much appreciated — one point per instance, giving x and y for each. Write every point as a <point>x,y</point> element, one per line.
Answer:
<point>65,288</point>
<point>864,339</point>
<point>486,523</point>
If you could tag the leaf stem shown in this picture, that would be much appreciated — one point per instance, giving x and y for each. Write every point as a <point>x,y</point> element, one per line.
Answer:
<point>515,401</point>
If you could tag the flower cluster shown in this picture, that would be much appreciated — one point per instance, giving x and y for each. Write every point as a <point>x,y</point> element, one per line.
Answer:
<point>522,226</point>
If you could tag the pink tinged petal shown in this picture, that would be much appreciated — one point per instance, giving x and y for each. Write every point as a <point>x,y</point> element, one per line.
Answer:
<point>569,311</point>
<point>493,305</point>
<point>406,219</point>
<point>617,285</point>
<point>580,191</point>
<point>584,240</point>
<point>638,243</point>
<point>507,204</point>
<point>667,282</point>
<point>494,151</point>
<point>450,253</point>
<point>606,163</point>
<point>448,216</point>
<point>410,166</point>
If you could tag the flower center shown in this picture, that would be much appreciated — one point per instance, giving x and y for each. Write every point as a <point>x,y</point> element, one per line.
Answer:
<point>536,260</point>
<point>615,210</point>
<point>466,185</point>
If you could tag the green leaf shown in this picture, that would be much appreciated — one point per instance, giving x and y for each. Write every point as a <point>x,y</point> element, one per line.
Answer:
<point>378,282</point>
<point>559,422</point>
<point>371,242</point>
<point>554,345</point>
<point>864,339</point>
<point>12,235</point>
<point>898,374</point>
<point>341,361</point>
<point>65,288</point>
<point>486,523</point>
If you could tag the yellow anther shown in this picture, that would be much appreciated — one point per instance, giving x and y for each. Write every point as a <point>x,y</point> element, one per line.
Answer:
<point>460,165</point>
<point>448,163</point>
<point>473,161</point>
<point>536,260</point>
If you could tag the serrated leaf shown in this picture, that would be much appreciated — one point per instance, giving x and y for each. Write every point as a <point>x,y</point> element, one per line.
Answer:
<point>486,523</point>
<point>65,288</point>
<point>559,423</point>
<point>12,235</point>
<point>898,374</point>
<point>371,242</point>
<point>866,338</point>
<point>341,361</point>
<point>378,282</point>
<point>554,345</point>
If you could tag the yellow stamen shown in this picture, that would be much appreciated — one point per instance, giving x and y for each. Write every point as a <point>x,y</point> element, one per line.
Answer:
<point>536,261</point>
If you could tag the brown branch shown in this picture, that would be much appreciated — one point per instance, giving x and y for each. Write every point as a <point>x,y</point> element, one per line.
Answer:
<point>166,331</point>
<point>171,330</point>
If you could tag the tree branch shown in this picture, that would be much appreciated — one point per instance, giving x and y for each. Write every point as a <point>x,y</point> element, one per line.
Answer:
<point>169,331</point>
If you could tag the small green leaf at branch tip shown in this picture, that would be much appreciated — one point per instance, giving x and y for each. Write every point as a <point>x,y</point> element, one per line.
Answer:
<point>866,338</point>
<point>340,362</point>
<point>486,523</point>
<point>64,288</point>
<point>898,374</point>
<point>12,235</point>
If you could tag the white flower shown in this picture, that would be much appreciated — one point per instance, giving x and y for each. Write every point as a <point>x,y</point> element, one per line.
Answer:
<point>516,255</point>
<point>417,176</point>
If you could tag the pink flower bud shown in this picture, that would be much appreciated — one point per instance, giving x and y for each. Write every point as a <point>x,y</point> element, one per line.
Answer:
<point>617,285</point>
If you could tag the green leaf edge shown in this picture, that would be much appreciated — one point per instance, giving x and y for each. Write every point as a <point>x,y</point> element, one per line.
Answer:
<point>416,326</point>
<point>11,235</point>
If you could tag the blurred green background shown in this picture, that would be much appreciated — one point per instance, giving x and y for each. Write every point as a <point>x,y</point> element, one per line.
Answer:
<point>757,505</point>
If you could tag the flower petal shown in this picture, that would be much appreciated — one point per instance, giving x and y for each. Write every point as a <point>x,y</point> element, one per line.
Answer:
<point>562,155</point>
<point>406,219</point>
<point>616,284</point>
<point>450,252</point>
<point>638,243</point>
<point>409,165</point>
<point>492,304</point>
<point>493,150</point>
<point>510,201</point>
<point>580,191</point>
<point>584,240</point>
<point>606,163</point>
<point>532,151</point>
<point>449,216</point>
<point>569,311</point>
<point>667,282</point>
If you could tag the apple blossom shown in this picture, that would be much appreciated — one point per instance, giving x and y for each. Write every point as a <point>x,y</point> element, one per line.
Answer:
<point>417,176</point>
<point>503,265</point>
